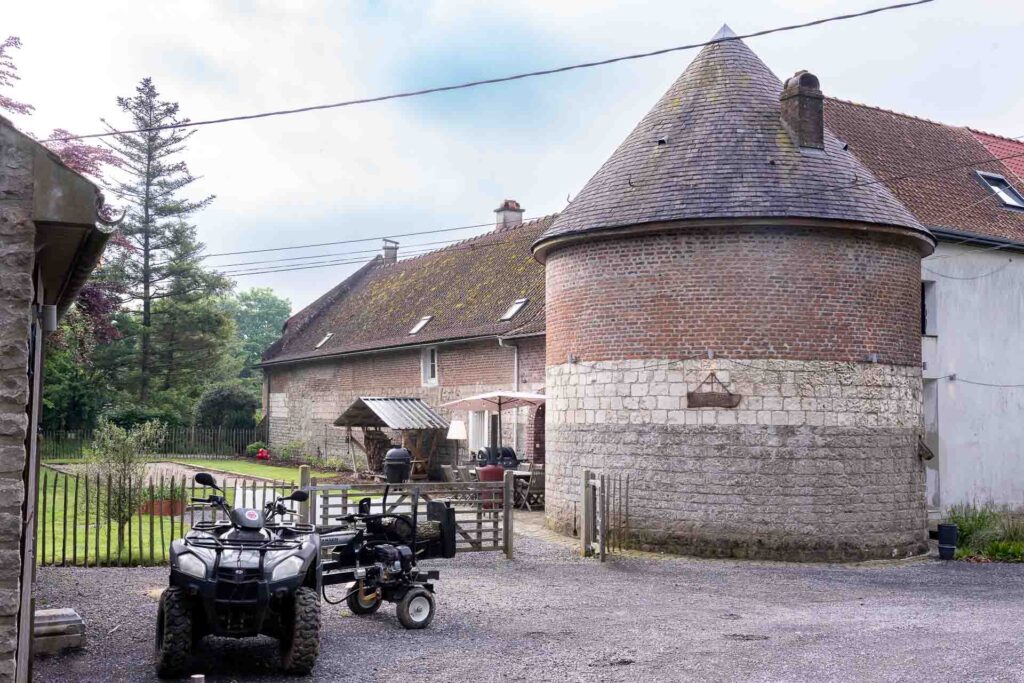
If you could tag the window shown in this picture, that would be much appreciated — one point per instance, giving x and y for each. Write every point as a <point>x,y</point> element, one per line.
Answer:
<point>428,366</point>
<point>1003,189</point>
<point>479,430</point>
<point>421,324</point>
<point>516,306</point>
<point>929,309</point>
<point>324,340</point>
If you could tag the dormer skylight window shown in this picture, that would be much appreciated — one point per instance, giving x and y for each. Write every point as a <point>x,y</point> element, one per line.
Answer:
<point>1006,192</point>
<point>516,306</point>
<point>324,340</point>
<point>421,324</point>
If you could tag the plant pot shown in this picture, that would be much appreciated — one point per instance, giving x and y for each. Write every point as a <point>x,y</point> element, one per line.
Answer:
<point>162,508</point>
<point>948,536</point>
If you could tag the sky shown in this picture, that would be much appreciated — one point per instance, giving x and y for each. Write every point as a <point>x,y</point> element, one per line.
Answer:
<point>449,159</point>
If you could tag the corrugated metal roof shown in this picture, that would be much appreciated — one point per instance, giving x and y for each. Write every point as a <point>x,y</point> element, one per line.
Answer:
<point>394,413</point>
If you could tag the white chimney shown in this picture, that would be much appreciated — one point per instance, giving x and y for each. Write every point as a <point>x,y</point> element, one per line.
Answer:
<point>390,251</point>
<point>509,214</point>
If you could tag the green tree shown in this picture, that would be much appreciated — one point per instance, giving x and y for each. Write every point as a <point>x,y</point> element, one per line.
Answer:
<point>119,456</point>
<point>259,315</point>
<point>230,406</point>
<point>162,257</point>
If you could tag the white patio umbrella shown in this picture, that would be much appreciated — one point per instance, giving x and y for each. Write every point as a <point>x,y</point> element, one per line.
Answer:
<point>498,401</point>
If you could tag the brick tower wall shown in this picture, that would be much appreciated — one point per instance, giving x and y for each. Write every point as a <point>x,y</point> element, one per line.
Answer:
<point>817,330</point>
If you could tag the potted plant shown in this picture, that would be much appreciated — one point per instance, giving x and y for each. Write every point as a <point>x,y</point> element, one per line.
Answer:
<point>164,501</point>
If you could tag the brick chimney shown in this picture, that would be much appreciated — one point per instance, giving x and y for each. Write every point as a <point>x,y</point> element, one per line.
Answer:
<point>390,251</point>
<point>803,110</point>
<point>509,214</point>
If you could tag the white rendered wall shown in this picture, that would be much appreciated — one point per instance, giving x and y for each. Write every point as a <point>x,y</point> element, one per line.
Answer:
<point>979,336</point>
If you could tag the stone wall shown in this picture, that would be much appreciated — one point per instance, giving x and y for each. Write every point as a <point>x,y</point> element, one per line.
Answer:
<point>817,462</point>
<point>17,237</point>
<point>305,399</point>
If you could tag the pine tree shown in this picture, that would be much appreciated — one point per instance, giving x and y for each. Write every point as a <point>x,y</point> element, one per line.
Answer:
<point>162,259</point>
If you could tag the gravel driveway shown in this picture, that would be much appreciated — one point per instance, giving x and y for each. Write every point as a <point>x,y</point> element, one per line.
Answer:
<point>548,616</point>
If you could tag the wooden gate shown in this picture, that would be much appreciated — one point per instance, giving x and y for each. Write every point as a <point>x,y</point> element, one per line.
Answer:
<point>605,524</point>
<point>483,510</point>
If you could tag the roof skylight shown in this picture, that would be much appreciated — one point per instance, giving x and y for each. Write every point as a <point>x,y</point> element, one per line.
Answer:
<point>516,306</point>
<point>421,324</point>
<point>1006,192</point>
<point>324,340</point>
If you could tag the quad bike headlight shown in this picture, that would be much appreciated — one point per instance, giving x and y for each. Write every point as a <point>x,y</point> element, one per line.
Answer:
<point>191,565</point>
<point>286,569</point>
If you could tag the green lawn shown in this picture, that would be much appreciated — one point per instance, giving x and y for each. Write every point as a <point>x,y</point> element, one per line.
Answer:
<point>252,468</point>
<point>68,532</point>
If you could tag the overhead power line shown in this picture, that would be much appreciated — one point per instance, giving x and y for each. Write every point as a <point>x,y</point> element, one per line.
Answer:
<point>500,79</point>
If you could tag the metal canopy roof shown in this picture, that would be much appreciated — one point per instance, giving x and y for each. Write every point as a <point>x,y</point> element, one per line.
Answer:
<point>394,413</point>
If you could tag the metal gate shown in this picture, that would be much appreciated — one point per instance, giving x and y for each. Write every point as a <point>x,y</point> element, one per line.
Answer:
<point>605,526</point>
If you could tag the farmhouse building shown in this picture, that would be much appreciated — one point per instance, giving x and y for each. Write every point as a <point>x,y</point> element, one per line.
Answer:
<point>49,244</point>
<point>766,306</point>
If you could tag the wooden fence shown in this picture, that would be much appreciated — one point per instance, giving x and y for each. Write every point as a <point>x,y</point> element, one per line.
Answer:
<point>605,526</point>
<point>180,442</point>
<point>483,510</point>
<point>76,521</point>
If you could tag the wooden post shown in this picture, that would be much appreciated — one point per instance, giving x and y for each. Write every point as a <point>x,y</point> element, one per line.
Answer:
<point>507,505</point>
<point>41,524</point>
<point>304,507</point>
<point>74,527</point>
<point>602,532</point>
<point>587,515</point>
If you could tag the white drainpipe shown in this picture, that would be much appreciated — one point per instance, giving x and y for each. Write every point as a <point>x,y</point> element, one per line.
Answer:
<point>515,387</point>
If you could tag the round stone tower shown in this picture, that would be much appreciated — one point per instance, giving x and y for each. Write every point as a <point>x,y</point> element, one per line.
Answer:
<point>733,319</point>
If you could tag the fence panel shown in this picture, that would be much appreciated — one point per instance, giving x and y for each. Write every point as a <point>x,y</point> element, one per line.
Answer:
<point>180,442</point>
<point>605,524</point>
<point>78,515</point>
<point>483,511</point>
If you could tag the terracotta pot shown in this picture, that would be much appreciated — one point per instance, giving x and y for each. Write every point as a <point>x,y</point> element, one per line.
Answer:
<point>162,508</point>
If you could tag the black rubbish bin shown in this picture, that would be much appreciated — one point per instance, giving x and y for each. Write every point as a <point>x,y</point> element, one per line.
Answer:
<point>948,536</point>
<point>397,464</point>
<point>508,459</point>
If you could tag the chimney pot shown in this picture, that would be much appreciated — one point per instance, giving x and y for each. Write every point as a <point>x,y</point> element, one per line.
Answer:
<point>390,251</point>
<point>803,113</point>
<point>509,214</point>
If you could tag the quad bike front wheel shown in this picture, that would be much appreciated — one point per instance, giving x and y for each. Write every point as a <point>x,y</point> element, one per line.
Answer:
<point>173,634</point>
<point>301,642</point>
<point>416,608</point>
<point>360,601</point>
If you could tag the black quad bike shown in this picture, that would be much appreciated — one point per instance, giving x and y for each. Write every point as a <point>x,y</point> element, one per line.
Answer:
<point>242,576</point>
<point>377,555</point>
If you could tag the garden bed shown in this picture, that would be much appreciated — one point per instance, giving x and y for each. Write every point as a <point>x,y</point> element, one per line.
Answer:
<point>988,533</point>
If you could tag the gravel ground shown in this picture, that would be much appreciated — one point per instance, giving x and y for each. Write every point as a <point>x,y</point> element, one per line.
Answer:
<point>549,616</point>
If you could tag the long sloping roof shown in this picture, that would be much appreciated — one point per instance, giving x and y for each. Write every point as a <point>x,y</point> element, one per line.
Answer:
<point>714,146</point>
<point>931,167</point>
<point>466,287</point>
<point>394,413</point>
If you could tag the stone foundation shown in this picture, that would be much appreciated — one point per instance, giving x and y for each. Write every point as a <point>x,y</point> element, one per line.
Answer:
<point>818,461</point>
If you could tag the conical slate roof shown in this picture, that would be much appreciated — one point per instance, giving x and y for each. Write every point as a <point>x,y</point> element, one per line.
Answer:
<point>714,146</point>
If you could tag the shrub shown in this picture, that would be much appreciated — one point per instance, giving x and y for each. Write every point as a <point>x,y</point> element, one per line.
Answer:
<point>165,492</point>
<point>291,451</point>
<point>229,406</point>
<point>1005,551</point>
<point>977,525</point>
<point>1011,527</point>
<point>135,415</point>
<point>253,448</point>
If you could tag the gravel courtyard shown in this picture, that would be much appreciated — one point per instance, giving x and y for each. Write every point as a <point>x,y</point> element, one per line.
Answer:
<point>549,616</point>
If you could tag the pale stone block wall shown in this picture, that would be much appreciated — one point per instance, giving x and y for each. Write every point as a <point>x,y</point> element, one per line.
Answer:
<point>17,255</point>
<point>818,460</point>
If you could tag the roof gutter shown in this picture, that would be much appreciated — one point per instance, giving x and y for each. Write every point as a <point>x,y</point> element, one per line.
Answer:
<point>958,236</point>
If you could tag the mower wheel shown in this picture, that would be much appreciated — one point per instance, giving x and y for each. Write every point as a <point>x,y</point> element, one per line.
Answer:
<point>416,608</point>
<point>173,634</point>
<point>363,603</point>
<point>301,644</point>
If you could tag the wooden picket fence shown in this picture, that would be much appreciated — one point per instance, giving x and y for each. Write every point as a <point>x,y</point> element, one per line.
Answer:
<point>179,442</point>
<point>483,510</point>
<point>74,525</point>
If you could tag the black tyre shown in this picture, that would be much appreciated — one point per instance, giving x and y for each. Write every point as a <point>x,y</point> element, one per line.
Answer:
<point>173,634</point>
<point>301,644</point>
<point>416,608</point>
<point>363,603</point>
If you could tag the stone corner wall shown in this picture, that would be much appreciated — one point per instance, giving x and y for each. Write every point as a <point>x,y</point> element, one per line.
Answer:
<point>818,462</point>
<point>17,239</point>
